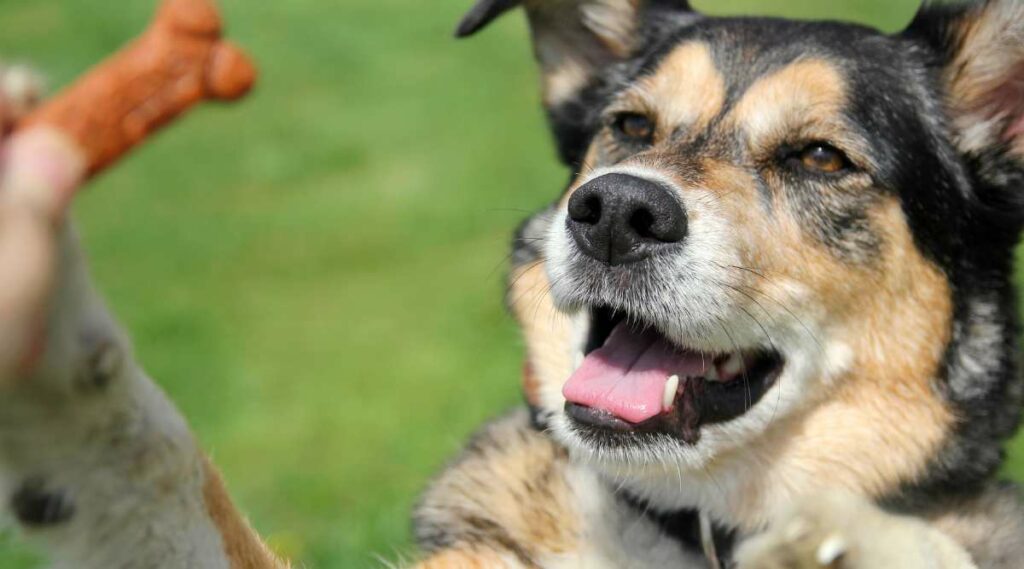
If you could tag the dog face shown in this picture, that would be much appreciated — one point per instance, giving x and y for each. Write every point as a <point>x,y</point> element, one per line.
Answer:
<point>736,221</point>
<point>785,260</point>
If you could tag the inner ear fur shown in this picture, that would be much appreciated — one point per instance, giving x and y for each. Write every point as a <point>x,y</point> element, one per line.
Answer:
<point>981,46</point>
<point>574,41</point>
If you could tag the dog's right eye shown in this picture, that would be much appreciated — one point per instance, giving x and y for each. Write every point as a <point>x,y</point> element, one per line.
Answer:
<point>634,128</point>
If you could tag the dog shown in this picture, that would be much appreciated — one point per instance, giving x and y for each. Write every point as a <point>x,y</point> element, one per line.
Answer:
<point>771,321</point>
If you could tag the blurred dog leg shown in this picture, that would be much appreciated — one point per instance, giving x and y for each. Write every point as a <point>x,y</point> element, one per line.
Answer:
<point>96,465</point>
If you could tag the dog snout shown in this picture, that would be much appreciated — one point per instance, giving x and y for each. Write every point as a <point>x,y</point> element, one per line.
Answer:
<point>620,219</point>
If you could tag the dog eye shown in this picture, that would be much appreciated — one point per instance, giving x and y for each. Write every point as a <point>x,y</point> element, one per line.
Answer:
<point>634,127</point>
<point>821,158</point>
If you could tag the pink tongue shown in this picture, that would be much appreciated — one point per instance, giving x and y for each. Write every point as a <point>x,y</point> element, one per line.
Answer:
<point>626,377</point>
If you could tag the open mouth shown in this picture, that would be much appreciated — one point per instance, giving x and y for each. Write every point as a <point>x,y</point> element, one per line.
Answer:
<point>635,380</point>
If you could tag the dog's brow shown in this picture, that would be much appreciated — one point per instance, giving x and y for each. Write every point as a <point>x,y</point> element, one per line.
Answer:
<point>807,94</point>
<point>686,89</point>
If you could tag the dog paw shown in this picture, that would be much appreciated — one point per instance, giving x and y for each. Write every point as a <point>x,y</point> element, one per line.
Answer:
<point>840,531</point>
<point>798,543</point>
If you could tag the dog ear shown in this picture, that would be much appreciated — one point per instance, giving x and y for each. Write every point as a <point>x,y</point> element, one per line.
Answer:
<point>981,49</point>
<point>574,40</point>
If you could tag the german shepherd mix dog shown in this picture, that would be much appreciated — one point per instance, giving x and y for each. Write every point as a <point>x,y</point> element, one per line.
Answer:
<point>776,294</point>
<point>770,324</point>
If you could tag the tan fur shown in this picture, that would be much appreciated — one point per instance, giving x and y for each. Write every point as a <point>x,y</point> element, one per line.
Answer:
<point>686,90</point>
<point>546,330</point>
<point>242,545</point>
<point>800,102</point>
<point>509,493</point>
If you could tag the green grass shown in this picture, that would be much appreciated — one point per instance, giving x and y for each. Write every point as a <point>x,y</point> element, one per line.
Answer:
<point>315,275</point>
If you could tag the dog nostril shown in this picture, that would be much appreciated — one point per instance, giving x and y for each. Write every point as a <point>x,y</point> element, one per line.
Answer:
<point>642,221</point>
<point>594,210</point>
<point>586,210</point>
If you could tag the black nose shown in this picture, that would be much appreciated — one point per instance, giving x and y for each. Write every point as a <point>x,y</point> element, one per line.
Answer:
<point>619,219</point>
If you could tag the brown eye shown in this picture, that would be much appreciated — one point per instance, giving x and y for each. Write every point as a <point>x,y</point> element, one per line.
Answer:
<point>635,127</point>
<point>822,158</point>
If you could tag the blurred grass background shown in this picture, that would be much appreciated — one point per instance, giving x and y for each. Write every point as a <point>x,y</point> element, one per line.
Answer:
<point>315,275</point>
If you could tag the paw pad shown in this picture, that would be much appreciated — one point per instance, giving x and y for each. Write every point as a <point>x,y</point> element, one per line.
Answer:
<point>34,506</point>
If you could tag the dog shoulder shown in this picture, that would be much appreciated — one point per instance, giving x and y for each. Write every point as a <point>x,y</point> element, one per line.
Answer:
<point>514,498</point>
<point>507,493</point>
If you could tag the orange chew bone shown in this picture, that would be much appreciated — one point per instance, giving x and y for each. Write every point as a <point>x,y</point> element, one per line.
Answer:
<point>177,62</point>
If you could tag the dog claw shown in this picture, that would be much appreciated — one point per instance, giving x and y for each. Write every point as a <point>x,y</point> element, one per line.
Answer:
<point>830,550</point>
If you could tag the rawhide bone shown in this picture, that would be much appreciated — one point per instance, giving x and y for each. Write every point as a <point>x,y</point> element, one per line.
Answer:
<point>177,62</point>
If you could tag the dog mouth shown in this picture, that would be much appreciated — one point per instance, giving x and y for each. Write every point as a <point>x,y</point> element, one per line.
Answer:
<point>635,380</point>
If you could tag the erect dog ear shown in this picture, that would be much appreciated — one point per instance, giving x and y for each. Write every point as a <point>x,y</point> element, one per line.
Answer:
<point>574,40</point>
<point>981,46</point>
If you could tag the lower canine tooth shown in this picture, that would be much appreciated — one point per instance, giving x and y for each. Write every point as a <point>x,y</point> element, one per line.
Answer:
<point>669,397</point>
<point>712,374</point>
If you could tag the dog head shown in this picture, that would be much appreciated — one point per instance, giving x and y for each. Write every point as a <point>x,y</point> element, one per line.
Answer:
<point>785,260</point>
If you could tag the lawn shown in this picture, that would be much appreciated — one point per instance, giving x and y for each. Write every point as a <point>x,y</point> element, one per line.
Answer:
<point>315,275</point>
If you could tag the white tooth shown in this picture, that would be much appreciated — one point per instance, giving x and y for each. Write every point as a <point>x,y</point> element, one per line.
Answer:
<point>733,365</point>
<point>671,386</point>
<point>712,374</point>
